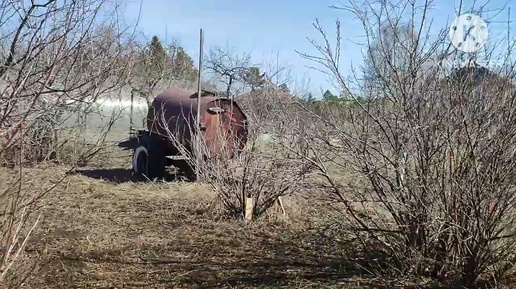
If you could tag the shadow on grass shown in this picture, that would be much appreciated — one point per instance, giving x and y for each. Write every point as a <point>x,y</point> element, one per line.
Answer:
<point>119,176</point>
<point>265,264</point>
<point>111,175</point>
<point>151,243</point>
<point>254,271</point>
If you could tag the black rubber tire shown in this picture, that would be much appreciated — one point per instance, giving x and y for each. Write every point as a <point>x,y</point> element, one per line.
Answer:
<point>140,160</point>
<point>156,160</point>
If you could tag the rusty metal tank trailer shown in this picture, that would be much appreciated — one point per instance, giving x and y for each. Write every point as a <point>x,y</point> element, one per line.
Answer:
<point>153,151</point>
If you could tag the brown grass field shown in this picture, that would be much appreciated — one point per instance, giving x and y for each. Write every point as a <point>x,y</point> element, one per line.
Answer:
<point>101,230</point>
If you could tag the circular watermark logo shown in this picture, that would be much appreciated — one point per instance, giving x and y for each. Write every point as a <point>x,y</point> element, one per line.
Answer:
<point>468,33</point>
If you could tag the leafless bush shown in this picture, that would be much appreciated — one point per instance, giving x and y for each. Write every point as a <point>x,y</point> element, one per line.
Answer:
<point>51,76</point>
<point>424,167</point>
<point>258,170</point>
<point>58,58</point>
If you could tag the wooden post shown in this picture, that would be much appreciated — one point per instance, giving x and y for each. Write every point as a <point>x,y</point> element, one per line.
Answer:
<point>280,203</point>
<point>197,145</point>
<point>248,209</point>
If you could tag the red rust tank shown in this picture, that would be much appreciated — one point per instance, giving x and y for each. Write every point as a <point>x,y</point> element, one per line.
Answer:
<point>173,112</point>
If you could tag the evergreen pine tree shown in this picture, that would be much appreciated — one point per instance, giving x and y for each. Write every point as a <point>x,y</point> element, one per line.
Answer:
<point>157,57</point>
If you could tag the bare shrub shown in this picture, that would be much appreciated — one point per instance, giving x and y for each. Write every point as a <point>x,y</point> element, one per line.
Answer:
<point>58,58</point>
<point>258,170</point>
<point>423,168</point>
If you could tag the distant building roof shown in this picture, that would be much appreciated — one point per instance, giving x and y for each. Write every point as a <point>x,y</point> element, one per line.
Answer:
<point>478,76</point>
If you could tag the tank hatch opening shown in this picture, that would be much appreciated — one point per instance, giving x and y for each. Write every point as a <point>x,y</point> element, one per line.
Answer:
<point>204,93</point>
<point>216,109</point>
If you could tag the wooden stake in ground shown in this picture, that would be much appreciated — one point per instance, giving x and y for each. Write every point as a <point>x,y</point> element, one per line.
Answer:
<point>248,209</point>
<point>280,203</point>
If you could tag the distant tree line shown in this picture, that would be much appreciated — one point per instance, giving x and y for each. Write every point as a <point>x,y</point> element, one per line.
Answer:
<point>156,60</point>
<point>160,66</point>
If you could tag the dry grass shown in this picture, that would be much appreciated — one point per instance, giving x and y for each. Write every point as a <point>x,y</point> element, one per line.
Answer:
<point>101,230</point>
<point>105,232</point>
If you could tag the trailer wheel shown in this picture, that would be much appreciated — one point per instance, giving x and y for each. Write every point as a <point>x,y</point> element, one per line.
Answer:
<point>140,162</point>
<point>149,162</point>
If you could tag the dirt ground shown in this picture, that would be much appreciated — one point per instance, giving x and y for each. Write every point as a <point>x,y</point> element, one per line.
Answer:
<point>100,230</point>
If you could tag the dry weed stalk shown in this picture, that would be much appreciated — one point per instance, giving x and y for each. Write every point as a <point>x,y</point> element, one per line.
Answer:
<point>435,156</point>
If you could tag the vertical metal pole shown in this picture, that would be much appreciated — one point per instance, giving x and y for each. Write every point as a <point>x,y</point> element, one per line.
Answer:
<point>509,34</point>
<point>198,151</point>
<point>84,128</point>
<point>201,43</point>
<point>131,114</point>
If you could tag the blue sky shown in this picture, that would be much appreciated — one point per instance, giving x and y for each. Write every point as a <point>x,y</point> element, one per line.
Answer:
<point>269,28</point>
